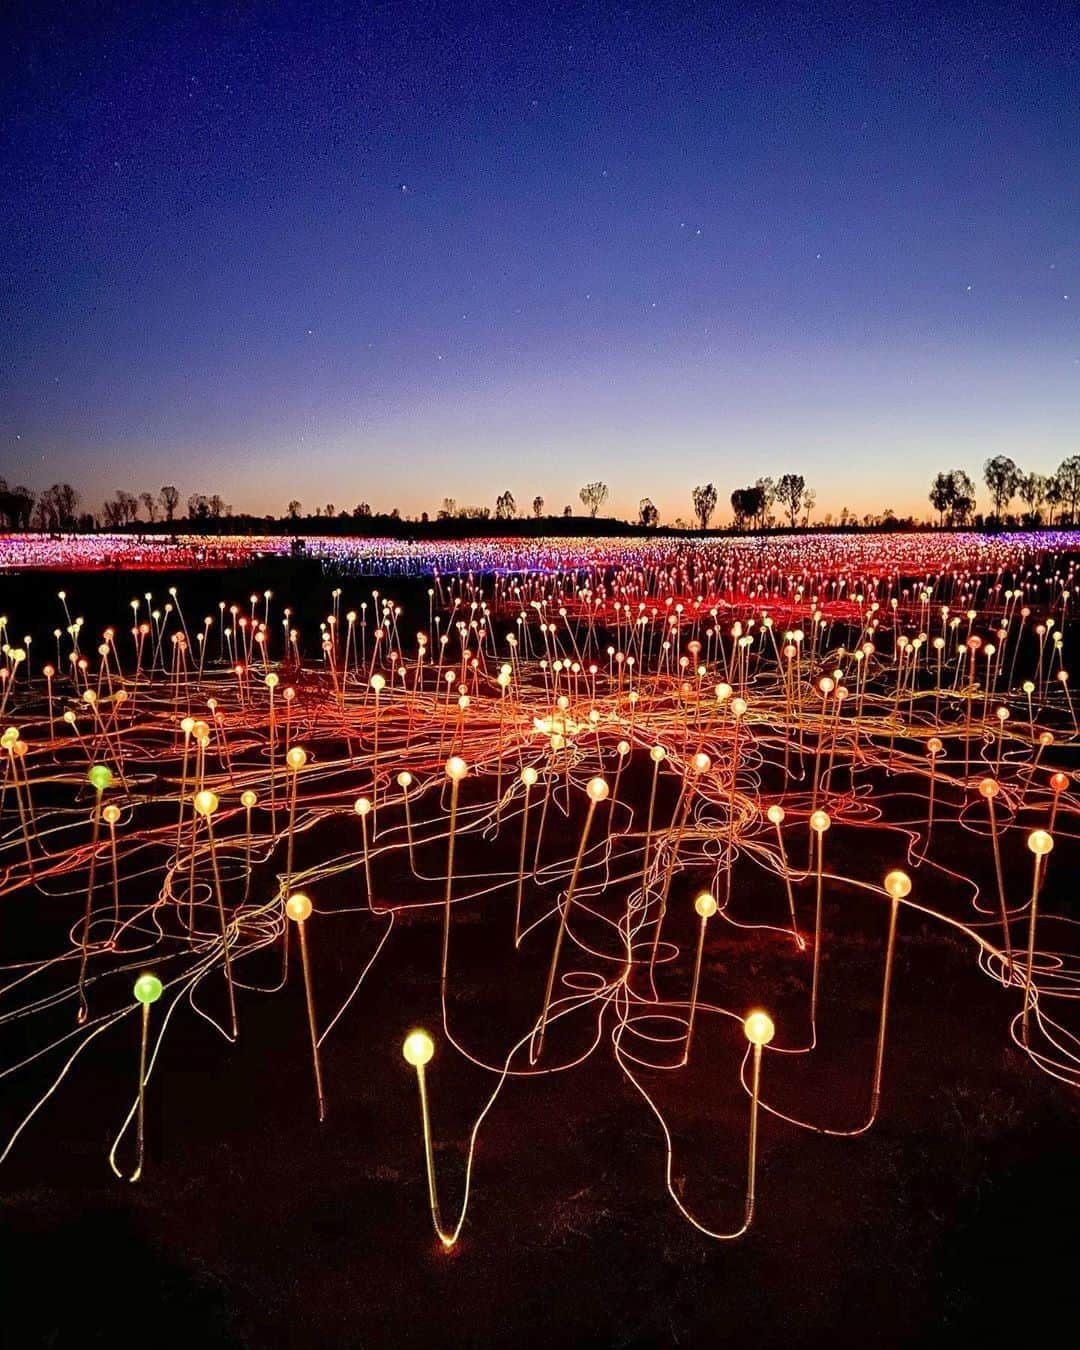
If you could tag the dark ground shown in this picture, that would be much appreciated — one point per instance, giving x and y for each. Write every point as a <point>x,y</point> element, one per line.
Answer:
<point>255,1226</point>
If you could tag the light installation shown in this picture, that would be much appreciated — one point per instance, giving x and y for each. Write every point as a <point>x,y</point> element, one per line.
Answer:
<point>609,766</point>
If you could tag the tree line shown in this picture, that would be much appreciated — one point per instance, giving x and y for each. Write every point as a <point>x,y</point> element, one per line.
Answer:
<point>952,494</point>
<point>766,503</point>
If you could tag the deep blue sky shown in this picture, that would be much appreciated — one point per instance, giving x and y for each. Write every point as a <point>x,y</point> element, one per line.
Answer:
<point>397,252</point>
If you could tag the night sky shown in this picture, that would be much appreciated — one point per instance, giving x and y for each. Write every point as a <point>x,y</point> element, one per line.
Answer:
<point>397,252</point>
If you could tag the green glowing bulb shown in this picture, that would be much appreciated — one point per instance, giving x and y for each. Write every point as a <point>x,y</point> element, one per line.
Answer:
<point>148,988</point>
<point>100,777</point>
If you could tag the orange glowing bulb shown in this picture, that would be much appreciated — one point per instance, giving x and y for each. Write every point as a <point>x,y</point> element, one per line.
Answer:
<point>898,885</point>
<point>705,905</point>
<point>298,907</point>
<point>418,1048</point>
<point>759,1028</point>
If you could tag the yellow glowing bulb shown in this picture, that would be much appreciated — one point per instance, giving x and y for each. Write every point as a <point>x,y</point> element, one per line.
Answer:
<point>362,806</point>
<point>702,762</point>
<point>296,757</point>
<point>298,907</point>
<point>898,884</point>
<point>597,789</point>
<point>404,779</point>
<point>776,814</point>
<point>378,683</point>
<point>529,776</point>
<point>418,1048</point>
<point>206,802</point>
<point>1040,842</point>
<point>820,822</point>
<point>271,681</point>
<point>705,905</point>
<point>738,706</point>
<point>657,754</point>
<point>989,787</point>
<point>456,768</point>
<point>248,798</point>
<point>759,1028</point>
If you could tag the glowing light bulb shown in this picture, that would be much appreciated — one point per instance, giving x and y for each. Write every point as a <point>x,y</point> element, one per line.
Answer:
<point>819,821</point>
<point>529,776</point>
<point>298,907</point>
<point>597,789</point>
<point>456,768</point>
<point>248,798</point>
<point>362,806</point>
<point>418,1048</point>
<point>705,905</point>
<point>100,776</point>
<point>404,779</point>
<point>898,884</point>
<point>111,815</point>
<point>147,988</point>
<point>657,754</point>
<point>1040,842</point>
<point>378,683</point>
<point>776,815</point>
<point>206,802</point>
<point>989,787</point>
<point>296,758</point>
<point>759,1028</point>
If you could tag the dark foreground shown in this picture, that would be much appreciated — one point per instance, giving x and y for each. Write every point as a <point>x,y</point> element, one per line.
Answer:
<point>950,1221</point>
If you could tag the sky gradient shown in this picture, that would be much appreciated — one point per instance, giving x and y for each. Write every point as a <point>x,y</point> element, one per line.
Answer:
<point>398,252</point>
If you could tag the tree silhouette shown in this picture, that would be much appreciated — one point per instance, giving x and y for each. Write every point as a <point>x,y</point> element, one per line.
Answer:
<point>16,505</point>
<point>809,502</point>
<point>1055,494</point>
<point>1068,476</point>
<point>942,494</point>
<point>56,506</point>
<point>150,502</point>
<point>593,496</point>
<point>294,509</point>
<point>505,506</point>
<point>704,504</point>
<point>789,493</point>
<point>538,506</point>
<point>1002,477</point>
<point>170,500</point>
<point>1032,490</point>
<point>648,513</point>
